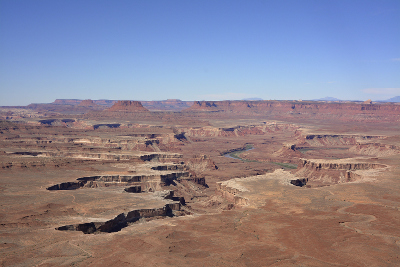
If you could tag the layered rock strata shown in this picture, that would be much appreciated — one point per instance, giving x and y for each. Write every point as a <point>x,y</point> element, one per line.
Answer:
<point>237,190</point>
<point>325,172</point>
<point>128,106</point>
<point>123,220</point>
<point>350,111</point>
<point>336,139</point>
<point>286,106</point>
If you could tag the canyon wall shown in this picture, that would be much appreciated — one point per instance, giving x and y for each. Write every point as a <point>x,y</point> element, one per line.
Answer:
<point>353,110</point>
<point>326,172</point>
<point>167,105</point>
<point>128,106</point>
<point>336,139</point>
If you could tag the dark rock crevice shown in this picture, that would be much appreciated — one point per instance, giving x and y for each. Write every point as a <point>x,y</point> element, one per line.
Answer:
<point>299,182</point>
<point>123,220</point>
<point>125,180</point>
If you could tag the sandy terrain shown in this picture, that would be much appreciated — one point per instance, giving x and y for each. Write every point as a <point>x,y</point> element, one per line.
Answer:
<point>218,184</point>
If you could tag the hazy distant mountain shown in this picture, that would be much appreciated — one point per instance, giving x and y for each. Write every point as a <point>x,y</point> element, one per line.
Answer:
<point>328,98</point>
<point>393,99</point>
<point>253,98</point>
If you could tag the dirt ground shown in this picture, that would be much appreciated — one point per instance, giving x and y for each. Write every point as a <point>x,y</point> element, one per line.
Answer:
<point>258,190</point>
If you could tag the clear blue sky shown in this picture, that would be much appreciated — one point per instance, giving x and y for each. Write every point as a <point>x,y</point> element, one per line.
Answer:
<point>195,50</point>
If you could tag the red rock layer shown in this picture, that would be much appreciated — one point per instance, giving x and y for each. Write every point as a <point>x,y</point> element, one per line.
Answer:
<point>169,104</point>
<point>128,106</point>
<point>87,103</point>
<point>66,101</point>
<point>75,102</point>
<point>295,107</point>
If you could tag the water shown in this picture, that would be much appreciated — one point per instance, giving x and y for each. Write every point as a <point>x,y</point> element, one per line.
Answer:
<point>235,154</point>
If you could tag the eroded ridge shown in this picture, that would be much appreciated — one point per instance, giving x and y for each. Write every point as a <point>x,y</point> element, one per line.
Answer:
<point>337,139</point>
<point>310,173</point>
<point>145,181</point>
<point>237,190</point>
<point>125,219</point>
<point>102,156</point>
<point>321,172</point>
<point>163,176</point>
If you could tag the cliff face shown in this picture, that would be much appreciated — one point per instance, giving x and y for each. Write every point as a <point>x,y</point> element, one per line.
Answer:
<point>74,102</point>
<point>66,101</point>
<point>128,106</point>
<point>223,105</point>
<point>317,140</point>
<point>167,105</point>
<point>375,149</point>
<point>327,172</point>
<point>162,105</point>
<point>298,108</point>
<point>88,103</point>
<point>338,165</point>
<point>261,129</point>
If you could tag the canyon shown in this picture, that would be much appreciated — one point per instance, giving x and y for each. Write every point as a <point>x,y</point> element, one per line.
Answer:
<point>200,183</point>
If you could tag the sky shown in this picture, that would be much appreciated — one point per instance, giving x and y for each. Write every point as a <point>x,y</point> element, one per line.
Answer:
<point>198,50</point>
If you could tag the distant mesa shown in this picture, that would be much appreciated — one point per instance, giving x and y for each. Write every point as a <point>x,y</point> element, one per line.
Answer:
<point>67,102</point>
<point>76,102</point>
<point>253,99</point>
<point>167,105</point>
<point>88,103</point>
<point>395,99</point>
<point>369,101</point>
<point>226,105</point>
<point>128,106</point>
<point>173,100</point>
<point>328,98</point>
<point>338,109</point>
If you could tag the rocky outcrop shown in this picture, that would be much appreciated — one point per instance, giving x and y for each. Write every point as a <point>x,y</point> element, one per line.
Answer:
<point>327,172</point>
<point>128,106</point>
<point>169,167</point>
<point>106,125</point>
<point>167,105</point>
<point>200,163</point>
<point>227,106</point>
<point>196,180</point>
<point>144,156</point>
<point>338,165</point>
<point>87,103</point>
<point>75,102</point>
<point>232,192</point>
<point>58,122</point>
<point>67,101</point>
<point>164,105</point>
<point>67,106</point>
<point>375,149</point>
<point>260,129</point>
<point>354,111</point>
<point>240,191</point>
<point>307,106</point>
<point>146,182</point>
<point>299,182</point>
<point>287,154</point>
<point>133,142</point>
<point>336,139</point>
<point>105,102</point>
<point>122,220</point>
<point>134,189</point>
